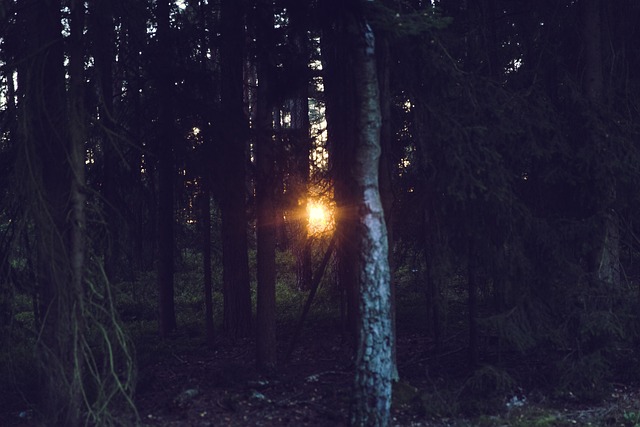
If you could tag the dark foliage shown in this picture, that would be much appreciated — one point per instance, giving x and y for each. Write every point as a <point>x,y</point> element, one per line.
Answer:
<point>513,194</point>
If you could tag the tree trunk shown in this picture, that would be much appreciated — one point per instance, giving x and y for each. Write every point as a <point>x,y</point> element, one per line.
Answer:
<point>472,306</point>
<point>52,195</point>
<point>265,195</point>
<point>142,220</point>
<point>372,390</point>
<point>235,259</point>
<point>206,185</point>
<point>206,262</point>
<point>166,217</point>
<point>386,190</point>
<point>340,104</point>
<point>435,315</point>
<point>103,39</point>
<point>607,262</point>
<point>300,138</point>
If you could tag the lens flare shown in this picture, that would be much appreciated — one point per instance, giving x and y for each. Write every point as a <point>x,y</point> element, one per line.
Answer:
<point>320,217</point>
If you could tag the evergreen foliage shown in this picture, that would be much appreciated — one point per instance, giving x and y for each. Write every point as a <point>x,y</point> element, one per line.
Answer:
<point>507,175</point>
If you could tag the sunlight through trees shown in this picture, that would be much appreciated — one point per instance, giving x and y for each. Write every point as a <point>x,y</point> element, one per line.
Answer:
<point>408,209</point>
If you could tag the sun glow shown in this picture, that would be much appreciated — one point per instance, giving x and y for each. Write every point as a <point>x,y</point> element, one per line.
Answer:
<point>320,217</point>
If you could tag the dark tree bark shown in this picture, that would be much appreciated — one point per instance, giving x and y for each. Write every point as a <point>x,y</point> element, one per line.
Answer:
<point>142,221</point>
<point>432,239</point>
<point>102,34</point>
<point>265,194</point>
<point>607,258</point>
<point>472,306</point>
<point>340,104</point>
<point>592,33</point>
<point>166,217</point>
<point>77,136</point>
<point>52,160</point>
<point>206,261</point>
<point>235,260</point>
<point>300,138</point>
<point>206,185</point>
<point>433,293</point>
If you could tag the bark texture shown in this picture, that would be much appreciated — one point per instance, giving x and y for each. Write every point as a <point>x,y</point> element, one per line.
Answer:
<point>372,390</point>
<point>383,55</point>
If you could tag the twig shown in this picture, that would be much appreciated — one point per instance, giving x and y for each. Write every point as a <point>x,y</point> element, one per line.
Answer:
<point>314,288</point>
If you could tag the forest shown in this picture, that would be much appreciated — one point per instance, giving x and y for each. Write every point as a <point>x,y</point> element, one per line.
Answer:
<point>319,213</point>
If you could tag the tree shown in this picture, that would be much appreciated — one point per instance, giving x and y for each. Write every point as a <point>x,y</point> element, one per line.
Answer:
<point>340,104</point>
<point>102,37</point>
<point>50,187</point>
<point>607,254</point>
<point>77,320</point>
<point>166,171</point>
<point>383,61</point>
<point>231,162</point>
<point>133,113</point>
<point>372,388</point>
<point>206,259</point>
<point>297,76</point>
<point>265,192</point>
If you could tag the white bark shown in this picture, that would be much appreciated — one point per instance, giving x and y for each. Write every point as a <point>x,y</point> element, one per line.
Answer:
<point>372,390</point>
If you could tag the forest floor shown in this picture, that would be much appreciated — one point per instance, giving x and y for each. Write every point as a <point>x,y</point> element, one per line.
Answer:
<point>182,382</point>
<point>221,387</point>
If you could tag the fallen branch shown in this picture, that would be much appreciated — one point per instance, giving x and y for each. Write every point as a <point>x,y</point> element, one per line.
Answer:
<point>315,284</point>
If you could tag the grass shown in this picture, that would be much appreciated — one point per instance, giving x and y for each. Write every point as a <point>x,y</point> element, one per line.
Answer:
<point>137,300</point>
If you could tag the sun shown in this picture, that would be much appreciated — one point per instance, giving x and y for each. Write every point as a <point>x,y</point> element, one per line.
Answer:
<point>320,217</point>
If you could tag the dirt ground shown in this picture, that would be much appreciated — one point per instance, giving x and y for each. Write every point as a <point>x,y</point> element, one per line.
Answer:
<point>201,387</point>
<point>221,388</point>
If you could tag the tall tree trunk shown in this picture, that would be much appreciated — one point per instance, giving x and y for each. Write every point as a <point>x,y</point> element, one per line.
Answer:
<point>265,194</point>
<point>206,261</point>
<point>206,185</point>
<point>340,104</point>
<point>235,259</point>
<point>166,217</point>
<point>77,136</point>
<point>103,40</point>
<point>52,181</point>
<point>472,305</point>
<point>607,262</point>
<point>142,220</point>
<point>300,138</point>
<point>374,368</point>
<point>386,191</point>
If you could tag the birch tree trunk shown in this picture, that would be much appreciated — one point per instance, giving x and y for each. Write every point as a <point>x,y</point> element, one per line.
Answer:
<point>383,54</point>
<point>372,390</point>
